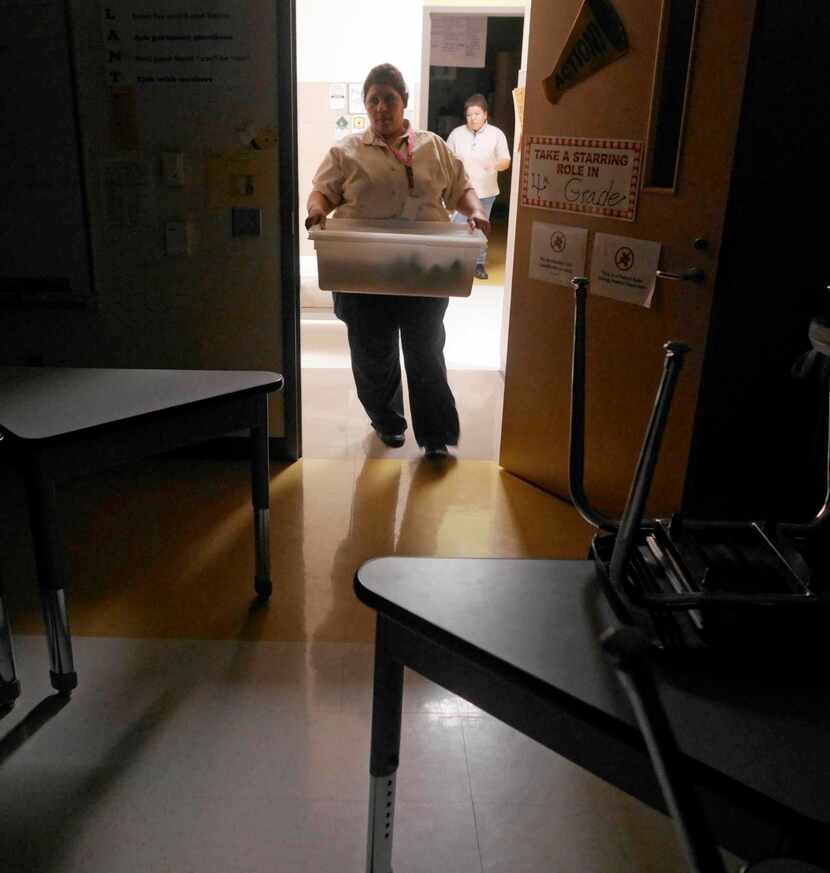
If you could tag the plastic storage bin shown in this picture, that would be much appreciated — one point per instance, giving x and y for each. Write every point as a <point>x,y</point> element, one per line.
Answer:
<point>429,258</point>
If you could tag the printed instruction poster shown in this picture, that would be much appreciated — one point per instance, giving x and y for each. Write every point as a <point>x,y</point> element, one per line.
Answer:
<point>624,268</point>
<point>592,176</point>
<point>557,253</point>
<point>148,43</point>
<point>458,40</point>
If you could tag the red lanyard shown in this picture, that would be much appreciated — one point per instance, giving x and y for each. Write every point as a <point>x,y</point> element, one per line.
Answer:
<point>406,160</point>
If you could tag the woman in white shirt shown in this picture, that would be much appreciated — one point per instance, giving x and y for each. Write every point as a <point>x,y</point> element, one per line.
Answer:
<point>483,150</point>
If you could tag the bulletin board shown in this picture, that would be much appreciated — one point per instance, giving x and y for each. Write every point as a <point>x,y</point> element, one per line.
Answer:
<point>44,224</point>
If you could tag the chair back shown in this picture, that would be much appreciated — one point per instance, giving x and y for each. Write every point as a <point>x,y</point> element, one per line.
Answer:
<point>628,650</point>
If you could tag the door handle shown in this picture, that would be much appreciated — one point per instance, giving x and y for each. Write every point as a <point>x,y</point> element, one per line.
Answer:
<point>693,274</point>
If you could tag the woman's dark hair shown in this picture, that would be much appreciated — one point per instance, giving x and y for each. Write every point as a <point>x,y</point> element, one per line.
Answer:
<point>476,100</point>
<point>386,74</point>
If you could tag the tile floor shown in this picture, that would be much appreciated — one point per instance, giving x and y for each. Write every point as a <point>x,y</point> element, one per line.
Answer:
<point>206,737</point>
<point>250,757</point>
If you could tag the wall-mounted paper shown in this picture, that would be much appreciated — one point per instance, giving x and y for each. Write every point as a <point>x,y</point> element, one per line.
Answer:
<point>457,40</point>
<point>148,43</point>
<point>242,179</point>
<point>624,268</point>
<point>337,96</point>
<point>557,253</point>
<point>356,98</point>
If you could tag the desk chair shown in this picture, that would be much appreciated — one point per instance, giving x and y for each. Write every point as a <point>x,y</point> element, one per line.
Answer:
<point>627,649</point>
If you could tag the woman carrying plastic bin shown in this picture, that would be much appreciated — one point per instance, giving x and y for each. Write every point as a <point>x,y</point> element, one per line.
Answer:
<point>483,150</point>
<point>394,171</point>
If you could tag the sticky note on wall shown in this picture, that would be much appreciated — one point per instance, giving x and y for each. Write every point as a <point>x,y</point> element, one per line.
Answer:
<point>242,179</point>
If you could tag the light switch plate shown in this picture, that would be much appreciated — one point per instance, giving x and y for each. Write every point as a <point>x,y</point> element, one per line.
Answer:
<point>246,221</point>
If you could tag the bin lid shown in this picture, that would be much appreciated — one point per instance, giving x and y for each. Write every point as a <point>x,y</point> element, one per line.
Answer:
<point>396,230</point>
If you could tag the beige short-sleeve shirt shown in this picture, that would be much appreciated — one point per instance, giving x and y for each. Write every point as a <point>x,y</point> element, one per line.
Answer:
<point>362,177</point>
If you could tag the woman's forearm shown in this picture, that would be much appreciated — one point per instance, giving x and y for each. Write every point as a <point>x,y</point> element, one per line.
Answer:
<point>469,204</point>
<point>317,201</point>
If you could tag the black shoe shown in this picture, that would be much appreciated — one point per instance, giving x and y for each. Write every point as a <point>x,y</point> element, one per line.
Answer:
<point>393,440</point>
<point>436,451</point>
<point>481,273</point>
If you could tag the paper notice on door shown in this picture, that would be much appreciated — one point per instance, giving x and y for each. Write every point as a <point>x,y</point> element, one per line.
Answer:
<point>557,253</point>
<point>624,268</point>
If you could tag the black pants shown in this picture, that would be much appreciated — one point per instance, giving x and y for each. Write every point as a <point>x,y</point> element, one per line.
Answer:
<point>374,322</point>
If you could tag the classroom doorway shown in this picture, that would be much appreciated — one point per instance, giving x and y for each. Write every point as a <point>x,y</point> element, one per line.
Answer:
<point>455,67</point>
<point>334,424</point>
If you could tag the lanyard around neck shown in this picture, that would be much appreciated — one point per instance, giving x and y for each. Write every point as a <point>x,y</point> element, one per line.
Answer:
<point>406,159</point>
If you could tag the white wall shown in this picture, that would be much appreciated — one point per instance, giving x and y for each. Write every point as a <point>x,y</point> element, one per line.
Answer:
<point>341,40</point>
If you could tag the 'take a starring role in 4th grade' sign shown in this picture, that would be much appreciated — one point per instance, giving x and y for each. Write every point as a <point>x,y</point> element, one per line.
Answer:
<point>594,176</point>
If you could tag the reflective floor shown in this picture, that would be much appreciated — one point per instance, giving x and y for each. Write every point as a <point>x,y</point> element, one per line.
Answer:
<point>335,424</point>
<point>210,736</point>
<point>206,736</point>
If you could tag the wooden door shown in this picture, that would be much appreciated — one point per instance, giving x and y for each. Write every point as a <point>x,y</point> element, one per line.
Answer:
<point>624,340</point>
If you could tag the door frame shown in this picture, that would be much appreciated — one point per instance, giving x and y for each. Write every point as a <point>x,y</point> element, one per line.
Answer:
<point>290,447</point>
<point>423,114</point>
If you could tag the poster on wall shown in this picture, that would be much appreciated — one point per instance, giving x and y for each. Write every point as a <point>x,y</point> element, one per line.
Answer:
<point>624,268</point>
<point>593,176</point>
<point>557,253</point>
<point>356,98</point>
<point>148,43</point>
<point>457,40</point>
<point>337,96</point>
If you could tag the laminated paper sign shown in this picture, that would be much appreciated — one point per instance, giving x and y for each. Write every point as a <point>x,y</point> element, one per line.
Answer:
<point>557,253</point>
<point>624,268</point>
<point>593,176</point>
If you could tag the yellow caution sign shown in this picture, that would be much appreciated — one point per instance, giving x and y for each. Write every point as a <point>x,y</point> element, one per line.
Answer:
<point>597,38</point>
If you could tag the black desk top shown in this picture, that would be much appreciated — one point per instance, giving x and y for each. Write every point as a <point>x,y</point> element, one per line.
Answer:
<point>543,618</point>
<point>42,402</point>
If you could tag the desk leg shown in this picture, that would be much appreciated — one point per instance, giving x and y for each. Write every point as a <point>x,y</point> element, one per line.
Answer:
<point>387,701</point>
<point>52,575</point>
<point>260,483</point>
<point>9,685</point>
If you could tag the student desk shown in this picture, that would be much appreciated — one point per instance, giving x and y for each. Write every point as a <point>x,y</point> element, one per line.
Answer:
<point>57,423</point>
<point>518,638</point>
